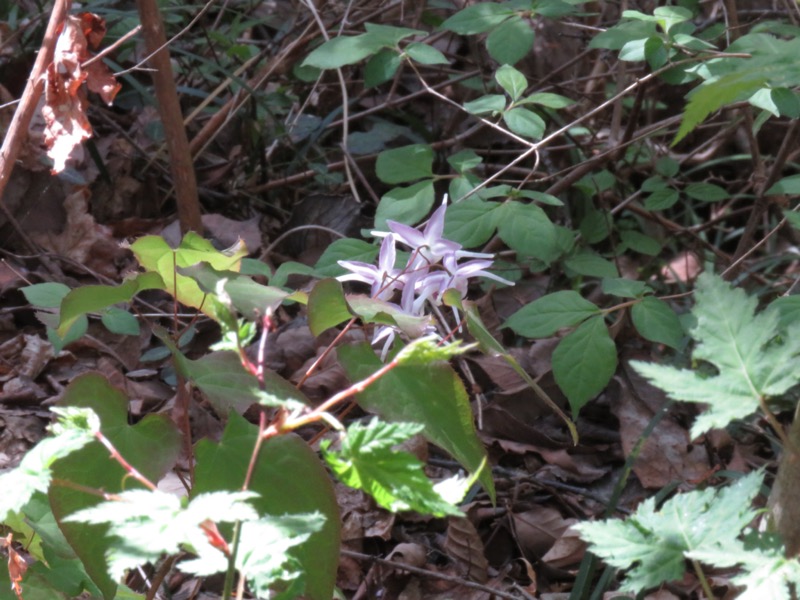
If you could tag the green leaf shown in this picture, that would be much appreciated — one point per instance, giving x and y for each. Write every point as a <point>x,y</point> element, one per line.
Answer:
<point>381,67</point>
<point>779,102</point>
<point>548,314</point>
<point>656,321</point>
<point>542,197</point>
<point>512,81</point>
<point>741,345</point>
<point>624,288</point>
<point>372,310</point>
<point>74,430</point>
<point>45,295</point>
<point>93,298</point>
<point>252,300</point>
<point>527,229</point>
<point>344,249</point>
<point>470,222</point>
<point>151,446</point>
<point>464,160</point>
<point>491,103</point>
<point>591,265</point>
<point>669,16</point>
<point>431,395</point>
<point>120,321</point>
<point>155,255</point>
<point>788,308</point>
<point>407,163</point>
<point>425,54</point>
<point>661,199</point>
<point>654,544</point>
<point>230,388</point>
<point>428,349</point>
<point>289,480</point>
<point>326,306</point>
<point>614,38</point>
<point>407,205</point>
<point>341,51</point>
<point>396,480</point>
<point>548,100</point>
<point>639,242</point>
<point>478,18</point>
<point>706,192</point>
<point>511,41</point>
<point>764,570</point>
<point>584,362</point>
<point>525,123</point>
<point>788,186</point>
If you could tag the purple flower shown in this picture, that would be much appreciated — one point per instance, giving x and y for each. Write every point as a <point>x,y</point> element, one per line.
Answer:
<point>383,279</point>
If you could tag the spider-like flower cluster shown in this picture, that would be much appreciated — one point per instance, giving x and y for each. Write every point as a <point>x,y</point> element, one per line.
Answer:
<point>434,266</point>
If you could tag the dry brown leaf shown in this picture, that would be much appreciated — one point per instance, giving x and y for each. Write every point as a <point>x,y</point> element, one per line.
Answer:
<point>538,529</point>
<point>465,547</point>
<point>567,551</point>
<point>667,453</point>
<point>64,108</point>
<point>80,234</point>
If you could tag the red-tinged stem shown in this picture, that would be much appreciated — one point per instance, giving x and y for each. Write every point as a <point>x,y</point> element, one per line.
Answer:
<point>317,413</point>
<point>132,471</point>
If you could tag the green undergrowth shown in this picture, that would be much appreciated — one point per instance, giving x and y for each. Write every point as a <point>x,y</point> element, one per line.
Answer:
<point>450,224</point>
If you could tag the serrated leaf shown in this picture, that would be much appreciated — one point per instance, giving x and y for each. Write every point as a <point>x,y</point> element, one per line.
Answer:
<point>511,41</point>
<point>478,18</point>
<point>657,322</point>
<point>584,362</point>
<point>34,471</point>
<point>654,544</point>
<point>151,446</point>
<point>512,81</point>
<point>396,480</point>
<point>524,122</point>
<point>290,480</point>
<point>741,344</point>
<point>788,308</point>
<point>432,395</point>
<point>548,314</point>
